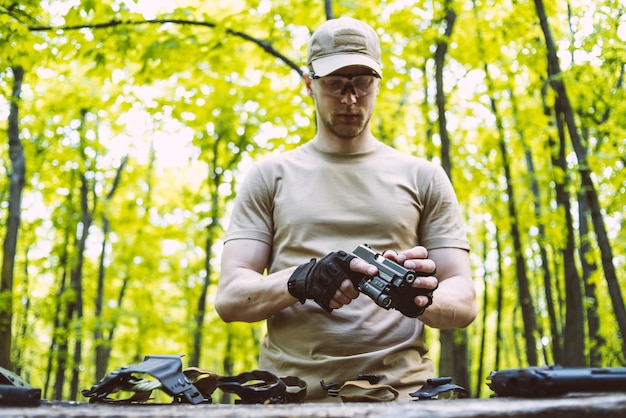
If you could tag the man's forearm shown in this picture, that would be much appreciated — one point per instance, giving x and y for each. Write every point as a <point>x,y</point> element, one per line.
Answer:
<point>248,296</point>
<point>454,304</point>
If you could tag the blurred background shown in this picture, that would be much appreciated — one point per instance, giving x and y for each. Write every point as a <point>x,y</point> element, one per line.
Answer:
<point>128,125</point>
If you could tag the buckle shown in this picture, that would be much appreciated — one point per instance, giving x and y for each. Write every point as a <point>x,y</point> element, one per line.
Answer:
<point>434,387</point>
<point>365,389</point>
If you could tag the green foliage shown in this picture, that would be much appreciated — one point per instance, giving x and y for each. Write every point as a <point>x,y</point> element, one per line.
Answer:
<point>195,94</point>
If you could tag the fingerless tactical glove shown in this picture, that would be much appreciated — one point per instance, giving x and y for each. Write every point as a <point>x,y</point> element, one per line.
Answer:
<point>319,280</point>
<point>404,300</point>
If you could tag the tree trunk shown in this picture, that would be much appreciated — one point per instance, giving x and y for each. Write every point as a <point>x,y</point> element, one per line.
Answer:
<point>102,348</point>
<point>106,353</point>
<point>589,267</point>
<point>201,306</point>
<point>542,240</point>
<point>573,330</point>
<point>215,181</point>
<point>440,57</point>
<point>17,178</point>
<point>528,311</point>
<point>588,186</point>
<point>328,8</point>
<point>227,362</point>
<point>58,311</point>
<point>454,350</point>
<point>574,333</point>
<point>23,324</point>
<point>77,271</point>
<point>483,326</point>
<point>523,286</point>
<point>585,253</point>
<point>430,151</point>
<point>77,286</point>
<point>555,332</point>
<point>499,303</point>
<point>74,309</point>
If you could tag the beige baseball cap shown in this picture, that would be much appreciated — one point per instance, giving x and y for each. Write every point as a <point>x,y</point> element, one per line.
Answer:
<point>341,42</point>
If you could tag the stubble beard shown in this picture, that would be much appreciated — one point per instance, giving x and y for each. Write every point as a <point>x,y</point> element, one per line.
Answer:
<point>346,130</point>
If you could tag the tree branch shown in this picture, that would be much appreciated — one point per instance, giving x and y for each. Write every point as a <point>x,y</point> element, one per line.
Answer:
<point>265,45</point>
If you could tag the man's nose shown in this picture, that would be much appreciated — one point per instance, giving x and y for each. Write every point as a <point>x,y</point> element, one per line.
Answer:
<point>349,94</point>
<point>349,88</point>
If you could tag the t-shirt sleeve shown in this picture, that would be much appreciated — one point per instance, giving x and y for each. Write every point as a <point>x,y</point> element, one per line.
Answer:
<point>441,224</point>
<point>252,213</point>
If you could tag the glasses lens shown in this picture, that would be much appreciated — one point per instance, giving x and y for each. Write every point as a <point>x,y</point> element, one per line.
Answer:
<point>363,83</point>
<point>338,86</point>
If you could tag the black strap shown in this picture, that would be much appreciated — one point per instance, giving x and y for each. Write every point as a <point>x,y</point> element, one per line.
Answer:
<point>296,388</point>
<point>261,386</point>
<point>297,281</point>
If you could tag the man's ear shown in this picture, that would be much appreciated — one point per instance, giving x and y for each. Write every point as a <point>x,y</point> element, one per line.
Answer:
<point>307,82</point>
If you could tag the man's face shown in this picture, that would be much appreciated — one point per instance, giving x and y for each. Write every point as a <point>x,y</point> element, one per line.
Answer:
<point>345,111</point>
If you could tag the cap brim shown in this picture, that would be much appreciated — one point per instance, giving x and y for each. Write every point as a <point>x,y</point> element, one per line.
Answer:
<point>326,65</point>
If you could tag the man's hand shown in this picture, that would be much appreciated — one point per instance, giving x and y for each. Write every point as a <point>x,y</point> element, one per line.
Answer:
<point>347,291</point>
<point>326,281</point>
<point>330,280</point>
<point>417,259</point>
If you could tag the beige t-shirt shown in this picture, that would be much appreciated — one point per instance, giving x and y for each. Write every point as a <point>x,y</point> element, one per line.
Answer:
<point>306,203</point>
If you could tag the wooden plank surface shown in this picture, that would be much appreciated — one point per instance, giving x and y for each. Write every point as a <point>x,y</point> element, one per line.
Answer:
<point>579,406</point>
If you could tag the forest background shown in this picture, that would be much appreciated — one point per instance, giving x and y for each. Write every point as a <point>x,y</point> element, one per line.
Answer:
<point>129,125</point>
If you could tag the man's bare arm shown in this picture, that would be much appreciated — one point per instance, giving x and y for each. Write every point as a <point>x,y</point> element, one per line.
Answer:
<point>454,301</point>
<point>243,292</point>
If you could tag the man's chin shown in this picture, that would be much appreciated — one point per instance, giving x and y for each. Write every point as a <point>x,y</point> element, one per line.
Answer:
<point>347,131</point>
<point>344,130</point>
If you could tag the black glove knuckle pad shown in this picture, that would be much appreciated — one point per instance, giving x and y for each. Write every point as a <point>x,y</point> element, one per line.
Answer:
<point>319,280</point>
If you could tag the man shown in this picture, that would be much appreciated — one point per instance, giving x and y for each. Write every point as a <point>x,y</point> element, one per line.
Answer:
<point>342,189</point>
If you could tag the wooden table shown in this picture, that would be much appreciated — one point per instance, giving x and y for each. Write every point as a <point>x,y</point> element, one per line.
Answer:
<point>580,405</point>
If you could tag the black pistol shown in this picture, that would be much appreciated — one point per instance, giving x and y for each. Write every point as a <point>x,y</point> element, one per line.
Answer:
<point>391,287</point>
<point>14,391</point>
<point>550,381</point>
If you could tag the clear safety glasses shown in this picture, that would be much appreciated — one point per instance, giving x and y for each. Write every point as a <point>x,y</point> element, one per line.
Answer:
<point>338,85</point>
